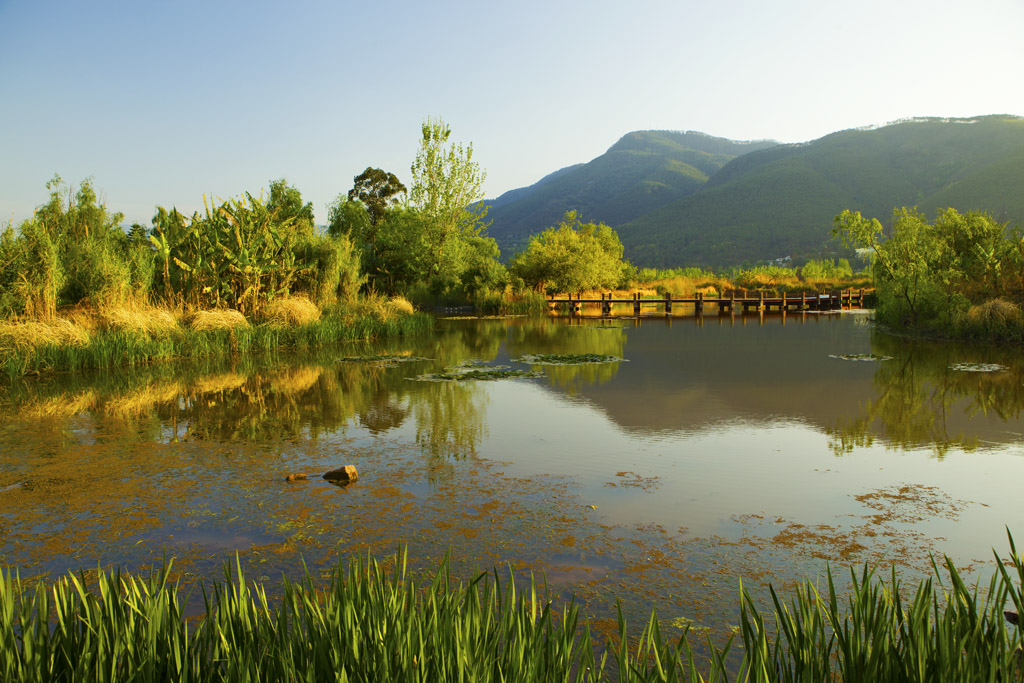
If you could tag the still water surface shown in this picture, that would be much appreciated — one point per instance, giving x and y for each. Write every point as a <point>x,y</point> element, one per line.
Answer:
<point>734,448</point>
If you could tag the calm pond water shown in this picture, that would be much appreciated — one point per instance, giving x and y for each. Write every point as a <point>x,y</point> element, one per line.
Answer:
<point>717,450</point>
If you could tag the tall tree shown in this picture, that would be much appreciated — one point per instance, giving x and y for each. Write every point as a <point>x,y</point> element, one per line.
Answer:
<point>446,184</point>
<point>378,190</point>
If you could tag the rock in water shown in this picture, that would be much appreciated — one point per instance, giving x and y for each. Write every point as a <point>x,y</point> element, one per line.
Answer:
<point>1011,617</point>
<point>295,477</point>
<point>343,474</point>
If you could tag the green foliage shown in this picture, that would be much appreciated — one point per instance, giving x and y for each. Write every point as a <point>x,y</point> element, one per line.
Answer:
<point>370,624</point>
<point>395,256</point>
<point>433,249</point>
<point>349,218</point>
<point>31,275</point>
<point>333,274</point>
<point>927,275</point>
<point>446,185</point>
<point>92,249</point>
<point>571,257</point>
<point>285,203</point>
<point>378,191</point>
<point>826,270</point>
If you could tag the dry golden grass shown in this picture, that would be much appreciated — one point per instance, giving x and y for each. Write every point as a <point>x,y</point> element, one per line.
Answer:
<point>220,319</point>
<point>32,334</point>
<point>400,304</point>
<point>379,307</point>
<point>995,313</point>
<point>293,311</point>
<point>144,319</point>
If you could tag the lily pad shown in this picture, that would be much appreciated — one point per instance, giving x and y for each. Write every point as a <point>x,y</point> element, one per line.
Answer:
<point>567,358</point>
<point>869,357</point>
<point>978,367</point>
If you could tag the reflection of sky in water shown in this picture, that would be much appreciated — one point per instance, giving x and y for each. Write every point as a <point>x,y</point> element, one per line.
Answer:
<point>726,432</point>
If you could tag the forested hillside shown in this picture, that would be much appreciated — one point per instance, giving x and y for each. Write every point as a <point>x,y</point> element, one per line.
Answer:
<point>690,199</point>
<point>641,172</point>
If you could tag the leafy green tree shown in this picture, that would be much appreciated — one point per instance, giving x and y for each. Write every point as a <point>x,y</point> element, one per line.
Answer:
<point>349,217</point>
<point>571,257</point>
<point>447,186</point>
<point>927,274</point>
<point>378,190</point>
<point>91,245</point>
<point>285,203</point>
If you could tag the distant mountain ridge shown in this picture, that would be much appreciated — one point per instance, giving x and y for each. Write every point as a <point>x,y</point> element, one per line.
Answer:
<point>639,173</point>
<point>693,199</point>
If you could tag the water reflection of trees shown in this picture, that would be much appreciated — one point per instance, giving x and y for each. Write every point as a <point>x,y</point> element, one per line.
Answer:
<point>543,337</point>
<point>280,398</point>
<point>922,401</point>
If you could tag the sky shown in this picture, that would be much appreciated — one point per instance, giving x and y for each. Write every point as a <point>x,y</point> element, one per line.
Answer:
<point>162,102</point>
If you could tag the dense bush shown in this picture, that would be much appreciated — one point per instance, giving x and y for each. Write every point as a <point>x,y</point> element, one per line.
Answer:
<point>934,276</point>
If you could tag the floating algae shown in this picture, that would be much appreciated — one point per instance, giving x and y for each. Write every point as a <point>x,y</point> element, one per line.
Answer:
<point>471,370</point>
<point>384,359</point>
<point>567,358</point>
<point>869,357</point>
<point>978,367</point>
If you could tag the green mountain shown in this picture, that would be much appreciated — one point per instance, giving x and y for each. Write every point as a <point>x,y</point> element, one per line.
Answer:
<point>781,201</point>
<point>691,199</point>
<point>638,174</point>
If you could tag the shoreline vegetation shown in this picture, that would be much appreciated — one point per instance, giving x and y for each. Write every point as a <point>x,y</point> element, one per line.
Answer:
<point>89,338</point>
<point>958,277</point>
<point>371,623</point>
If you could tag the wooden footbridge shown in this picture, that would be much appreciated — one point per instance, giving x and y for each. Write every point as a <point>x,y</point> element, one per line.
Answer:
<point>729,303</point>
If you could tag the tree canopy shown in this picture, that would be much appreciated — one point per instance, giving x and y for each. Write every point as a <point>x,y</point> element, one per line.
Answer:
<point>571,257</point>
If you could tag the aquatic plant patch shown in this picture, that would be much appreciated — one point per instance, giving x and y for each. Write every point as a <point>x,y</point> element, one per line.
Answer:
<point>383,359</point>
<point>868,357</point>
<point>978,367</point>
<point>467,374</point>
<point>567,358</point>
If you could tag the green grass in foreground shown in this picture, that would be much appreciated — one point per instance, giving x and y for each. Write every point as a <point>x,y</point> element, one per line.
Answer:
<point>117,348</point>
<point>367,624</point>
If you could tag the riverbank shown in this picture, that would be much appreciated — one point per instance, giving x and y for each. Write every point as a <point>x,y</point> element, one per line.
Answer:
<point>90,338</point>
<point>369,623</point>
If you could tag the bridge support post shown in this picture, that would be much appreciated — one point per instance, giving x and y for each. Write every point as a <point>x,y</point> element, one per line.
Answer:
<point>668,303</point>
<point>636,304</point>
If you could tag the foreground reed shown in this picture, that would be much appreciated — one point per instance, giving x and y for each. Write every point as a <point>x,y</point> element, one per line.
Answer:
<point>368,624</point>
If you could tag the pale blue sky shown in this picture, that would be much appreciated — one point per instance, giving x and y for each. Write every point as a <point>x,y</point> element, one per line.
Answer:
<point>163,101</point>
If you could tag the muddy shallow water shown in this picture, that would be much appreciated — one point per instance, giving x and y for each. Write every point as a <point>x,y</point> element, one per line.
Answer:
<point>693,455</point>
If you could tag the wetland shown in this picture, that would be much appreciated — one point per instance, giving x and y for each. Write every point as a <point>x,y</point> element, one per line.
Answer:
<point>653,461</point>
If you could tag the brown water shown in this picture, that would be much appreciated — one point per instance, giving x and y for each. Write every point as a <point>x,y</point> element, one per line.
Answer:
<point>736,448</point>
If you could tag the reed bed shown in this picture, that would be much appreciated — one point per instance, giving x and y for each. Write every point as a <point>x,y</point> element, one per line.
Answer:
<point>32,348</point>
<point>371,624</point>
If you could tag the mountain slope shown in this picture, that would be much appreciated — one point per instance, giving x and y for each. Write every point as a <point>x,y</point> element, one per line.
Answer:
<point>641,172</point>
<point>780,201</point>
